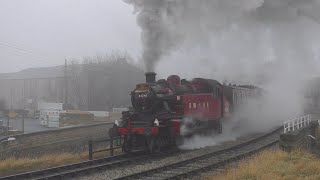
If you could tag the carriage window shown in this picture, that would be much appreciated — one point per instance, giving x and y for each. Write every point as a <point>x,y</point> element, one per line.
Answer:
<point>190,106</point>
<point>194,105</point>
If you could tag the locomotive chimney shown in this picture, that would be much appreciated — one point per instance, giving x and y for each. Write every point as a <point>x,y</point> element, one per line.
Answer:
<point>150,77</point>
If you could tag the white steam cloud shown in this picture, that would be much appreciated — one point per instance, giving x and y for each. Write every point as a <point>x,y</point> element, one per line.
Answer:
<point>271,43</point>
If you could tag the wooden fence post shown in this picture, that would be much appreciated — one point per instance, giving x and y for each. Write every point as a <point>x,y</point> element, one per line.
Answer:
<point>90,150</point>
<point>111,146</point>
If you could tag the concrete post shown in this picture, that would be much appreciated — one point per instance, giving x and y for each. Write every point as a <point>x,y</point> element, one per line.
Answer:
<point>313,132</point>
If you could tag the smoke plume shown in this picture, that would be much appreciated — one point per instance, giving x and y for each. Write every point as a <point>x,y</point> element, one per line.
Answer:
<point>167,25</point>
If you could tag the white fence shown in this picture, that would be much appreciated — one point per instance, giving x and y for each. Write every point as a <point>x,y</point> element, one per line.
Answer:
<point>297,123</point>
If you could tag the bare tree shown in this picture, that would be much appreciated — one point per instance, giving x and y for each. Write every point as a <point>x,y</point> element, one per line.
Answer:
<point>111,78</point>
<point>103,82</point>
<point>74,84</point>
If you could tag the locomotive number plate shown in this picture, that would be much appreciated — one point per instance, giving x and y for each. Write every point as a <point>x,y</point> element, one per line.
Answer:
<point>142,88</point>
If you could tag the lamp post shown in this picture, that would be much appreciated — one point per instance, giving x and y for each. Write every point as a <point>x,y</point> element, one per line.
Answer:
<point>24,104</point>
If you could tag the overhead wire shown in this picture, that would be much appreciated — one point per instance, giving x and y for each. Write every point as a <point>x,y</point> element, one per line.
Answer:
<point>28,52</point>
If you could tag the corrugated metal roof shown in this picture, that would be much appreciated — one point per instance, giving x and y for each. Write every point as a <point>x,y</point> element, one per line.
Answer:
<point>36,73</point>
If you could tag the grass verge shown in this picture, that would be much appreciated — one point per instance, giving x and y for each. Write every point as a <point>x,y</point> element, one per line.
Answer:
<point>275,165</point>
<point>19,165</point>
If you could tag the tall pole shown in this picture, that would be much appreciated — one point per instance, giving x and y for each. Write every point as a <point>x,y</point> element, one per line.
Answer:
<point>24,104</point>
<point>9,114</point>
<point>89,88</point>
<point>66,83</point>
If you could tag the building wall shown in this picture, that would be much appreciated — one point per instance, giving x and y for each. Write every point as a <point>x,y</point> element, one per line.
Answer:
<point>96,87</point>
<point>14,91</point>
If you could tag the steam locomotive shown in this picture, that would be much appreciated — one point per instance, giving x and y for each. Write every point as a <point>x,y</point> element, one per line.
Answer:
<point>165,111</point>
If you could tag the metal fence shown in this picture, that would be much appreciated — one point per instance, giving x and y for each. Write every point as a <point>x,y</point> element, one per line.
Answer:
<point>296,124</point>
<point>114,143</point>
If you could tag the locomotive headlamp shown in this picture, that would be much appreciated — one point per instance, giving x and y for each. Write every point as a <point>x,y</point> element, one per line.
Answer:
<point>156,122</point>
<point>116,122</point>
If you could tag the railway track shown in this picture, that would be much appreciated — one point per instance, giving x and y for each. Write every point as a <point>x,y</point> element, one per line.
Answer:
<point>196,165</point>
<point>172,171</point>
<point>85,167</point>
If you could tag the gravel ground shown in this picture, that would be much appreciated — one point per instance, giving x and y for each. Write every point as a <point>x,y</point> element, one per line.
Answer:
<point>150,164</point>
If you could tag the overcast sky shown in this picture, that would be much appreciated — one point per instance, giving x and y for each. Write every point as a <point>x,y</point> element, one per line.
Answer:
<point>35,33</point>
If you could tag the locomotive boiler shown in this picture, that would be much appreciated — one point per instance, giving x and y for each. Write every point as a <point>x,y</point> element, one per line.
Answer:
<point>165,111</point>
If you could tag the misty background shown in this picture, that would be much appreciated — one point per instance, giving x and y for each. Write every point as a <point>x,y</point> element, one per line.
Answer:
<point>41,33</point>
<point>99,39</point>
<point>237,37</point>
<point>270,43</point>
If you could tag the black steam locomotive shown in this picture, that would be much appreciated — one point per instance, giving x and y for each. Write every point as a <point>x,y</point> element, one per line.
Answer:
<point>166,110</point>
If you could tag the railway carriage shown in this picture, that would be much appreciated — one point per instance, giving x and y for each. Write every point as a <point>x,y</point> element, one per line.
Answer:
<point>165,111</point>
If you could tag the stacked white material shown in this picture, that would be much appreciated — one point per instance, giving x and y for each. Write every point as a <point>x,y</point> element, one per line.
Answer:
<point>119,109</point>
<point>50,106</point>
<point>53,121</point>
<point>50,113</point>
<point>100,113</point>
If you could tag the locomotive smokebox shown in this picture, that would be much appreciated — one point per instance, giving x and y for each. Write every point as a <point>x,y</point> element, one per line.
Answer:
<point>150,77</point>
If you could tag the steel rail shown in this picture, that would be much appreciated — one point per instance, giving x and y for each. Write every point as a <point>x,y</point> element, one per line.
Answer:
<point>76,169</point>
<point>181,168</point>
<point>223,162</point>
<point>97,167</point>
<point>34,174</point>
<point>85,167</point>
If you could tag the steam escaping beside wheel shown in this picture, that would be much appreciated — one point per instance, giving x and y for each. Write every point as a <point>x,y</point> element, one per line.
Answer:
<point>187,126</point>
<point>200,126</point>
<point>156,122</point>
<point>116,122</point>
